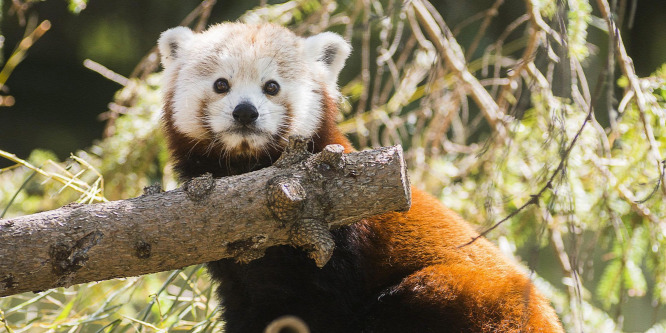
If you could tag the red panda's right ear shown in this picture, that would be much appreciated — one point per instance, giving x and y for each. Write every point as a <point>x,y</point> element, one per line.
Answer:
<point>171,43</point>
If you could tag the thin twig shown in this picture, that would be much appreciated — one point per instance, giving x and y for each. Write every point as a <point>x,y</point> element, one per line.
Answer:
<point>489,15</point>
<point>105,72</point>
<point>535,35</point>
<point>365,69</point>
<point>13,198</point>
<point>19,53</point>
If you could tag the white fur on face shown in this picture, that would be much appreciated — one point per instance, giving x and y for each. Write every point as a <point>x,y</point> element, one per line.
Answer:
<point>248,57</point>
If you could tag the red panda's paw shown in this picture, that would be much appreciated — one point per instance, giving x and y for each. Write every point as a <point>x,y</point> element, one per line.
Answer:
<point>462,298</point>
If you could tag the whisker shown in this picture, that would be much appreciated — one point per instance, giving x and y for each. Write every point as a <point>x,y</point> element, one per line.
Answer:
<point>189,153</point>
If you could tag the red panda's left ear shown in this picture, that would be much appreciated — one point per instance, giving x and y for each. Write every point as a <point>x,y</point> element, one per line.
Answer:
<point>171,43</point>
<point>329,49</point>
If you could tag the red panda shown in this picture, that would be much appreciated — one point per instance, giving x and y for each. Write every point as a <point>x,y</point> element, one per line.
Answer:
<point>232,95</point>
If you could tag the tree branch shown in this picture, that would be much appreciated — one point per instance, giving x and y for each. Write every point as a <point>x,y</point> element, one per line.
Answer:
<point>294,202</point>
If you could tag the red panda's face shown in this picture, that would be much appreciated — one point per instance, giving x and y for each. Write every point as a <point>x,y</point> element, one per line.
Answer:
<point>246,88</point>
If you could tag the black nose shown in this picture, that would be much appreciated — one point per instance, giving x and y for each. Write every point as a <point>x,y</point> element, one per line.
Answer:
<point>245,113</point>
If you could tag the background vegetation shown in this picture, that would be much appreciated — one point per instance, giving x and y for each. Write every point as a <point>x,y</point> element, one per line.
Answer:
<point>527,117</point>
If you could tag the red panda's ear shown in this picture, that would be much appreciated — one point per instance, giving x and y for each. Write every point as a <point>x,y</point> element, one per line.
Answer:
<point>171,43</point>
<point>329,49</point>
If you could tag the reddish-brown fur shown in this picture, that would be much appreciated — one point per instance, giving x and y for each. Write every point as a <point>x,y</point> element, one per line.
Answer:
<point>397,272</point>
<point>472,289</point>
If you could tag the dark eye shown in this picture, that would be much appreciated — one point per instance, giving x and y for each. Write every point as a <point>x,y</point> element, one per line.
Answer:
<point>221,86</point>
<point>271,88</point>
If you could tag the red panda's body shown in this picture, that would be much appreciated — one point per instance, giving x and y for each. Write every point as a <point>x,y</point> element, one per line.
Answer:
<point>397,272</point>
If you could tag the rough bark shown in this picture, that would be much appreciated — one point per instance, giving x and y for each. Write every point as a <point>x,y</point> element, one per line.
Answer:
<point>294,202</point>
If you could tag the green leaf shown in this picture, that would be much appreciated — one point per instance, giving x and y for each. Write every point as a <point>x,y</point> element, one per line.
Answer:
<point>64,313</point>
<point>608,290</point>
<point>634,280</point>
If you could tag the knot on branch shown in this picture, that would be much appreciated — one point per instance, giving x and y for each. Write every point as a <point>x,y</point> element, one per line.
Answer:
<point>66,259</point>
<point>332,156</point>
<point>286,198</point>
<point>153,189</point>
<point>315,238</point>
<point>296,151</point>
<point>8,282</point>
<point>246,250</point>
<point>142,249</point>
<point>200,187</point>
